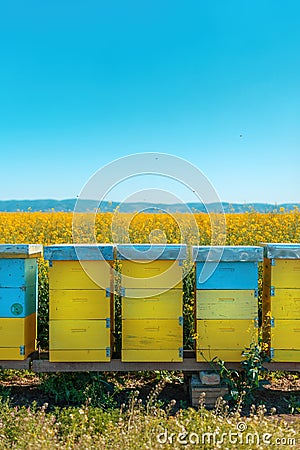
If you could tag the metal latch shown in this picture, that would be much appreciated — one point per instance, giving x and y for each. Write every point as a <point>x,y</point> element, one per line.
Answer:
<point>272,322</point>
<point>180,320</point>
<point>22,350</point>
<point>272,291</point>
<point>107,353</point>
<point>180,352</point>
<point>108,323</point>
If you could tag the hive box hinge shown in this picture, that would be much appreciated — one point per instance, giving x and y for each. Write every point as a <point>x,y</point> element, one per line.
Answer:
<point>271,353</point>
<point>272,291</point>
<point>256,322</point>
<point>107,323</point>
<point>22,350</point>
<point>107,352</point>
<point>272,322</point>
<point>180,352</point>
<point>107,292</point>
<point>180,321</point>
<point>256,293</point>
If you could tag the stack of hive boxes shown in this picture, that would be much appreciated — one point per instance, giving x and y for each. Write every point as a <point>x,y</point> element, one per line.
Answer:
<point>80,302</point>
<point>281,301</point>
<point>226,300</point>
<point>152,315</point>
<point>18,300</point>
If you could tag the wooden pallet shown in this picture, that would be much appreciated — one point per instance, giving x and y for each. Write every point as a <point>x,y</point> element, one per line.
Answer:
<point>203,394</point>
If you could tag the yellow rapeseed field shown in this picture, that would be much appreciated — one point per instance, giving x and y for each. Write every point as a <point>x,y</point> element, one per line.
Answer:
<point>241,229</point>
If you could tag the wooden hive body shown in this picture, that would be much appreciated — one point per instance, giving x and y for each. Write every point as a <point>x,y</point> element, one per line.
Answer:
<point>81,303</point>
<point>226,301</point>
<point>281,301</point>
<point>152,307</point>
<point>18,299</point>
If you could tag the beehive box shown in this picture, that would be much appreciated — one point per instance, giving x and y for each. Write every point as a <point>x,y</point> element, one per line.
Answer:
<point>152,274</point>
<point>226,301</point>
<point>150,304</point>
<point>226,304</point>
<point>225,339</point>
<point>81,302</point>
<point>231,267</point>
<point>80,340</point>
<point>152,315</point>
<point>281,301</point>
<point>18,299</point>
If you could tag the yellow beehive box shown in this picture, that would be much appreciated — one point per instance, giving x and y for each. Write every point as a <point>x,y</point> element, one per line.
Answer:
<point>226,304</point>
<point>86,355</point>
<point>79,334</point>
<point>226,333</point>
<point>152,334</point>
<point>79,304</point>
<point>151,265</point>
<point>147,304</point>
<point>17,337</point>
<point>81,337</point>
<point>229,355</point>
<point>215,335</point>
<point>153,338</point>
<point>150,355</point>
<point>281,301</point>
<point>17,331</point>
<point>79,275</point>
<point>153,274</point>
<point>279,355</point>
<point>14,353</point>
<point>285,334</point>
<point>282,273</point>
<point>285,340</point>
<point>281,290</point>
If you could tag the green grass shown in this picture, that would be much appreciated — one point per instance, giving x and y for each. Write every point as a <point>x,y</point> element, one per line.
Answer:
<point>139,426</point>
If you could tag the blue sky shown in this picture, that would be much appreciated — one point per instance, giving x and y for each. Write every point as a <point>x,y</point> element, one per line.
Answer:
<point>214,82</point>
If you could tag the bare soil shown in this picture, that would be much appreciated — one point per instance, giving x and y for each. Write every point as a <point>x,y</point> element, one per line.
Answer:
<point>283,393</point>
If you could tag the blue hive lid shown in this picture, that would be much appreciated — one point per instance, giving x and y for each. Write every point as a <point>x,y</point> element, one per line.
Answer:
<point>227,253</point>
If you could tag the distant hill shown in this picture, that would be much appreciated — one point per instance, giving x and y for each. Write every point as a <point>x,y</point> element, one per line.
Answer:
<point>45,205</point>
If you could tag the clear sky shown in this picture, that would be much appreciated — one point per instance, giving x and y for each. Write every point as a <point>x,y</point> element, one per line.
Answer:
<point>215,82</point>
